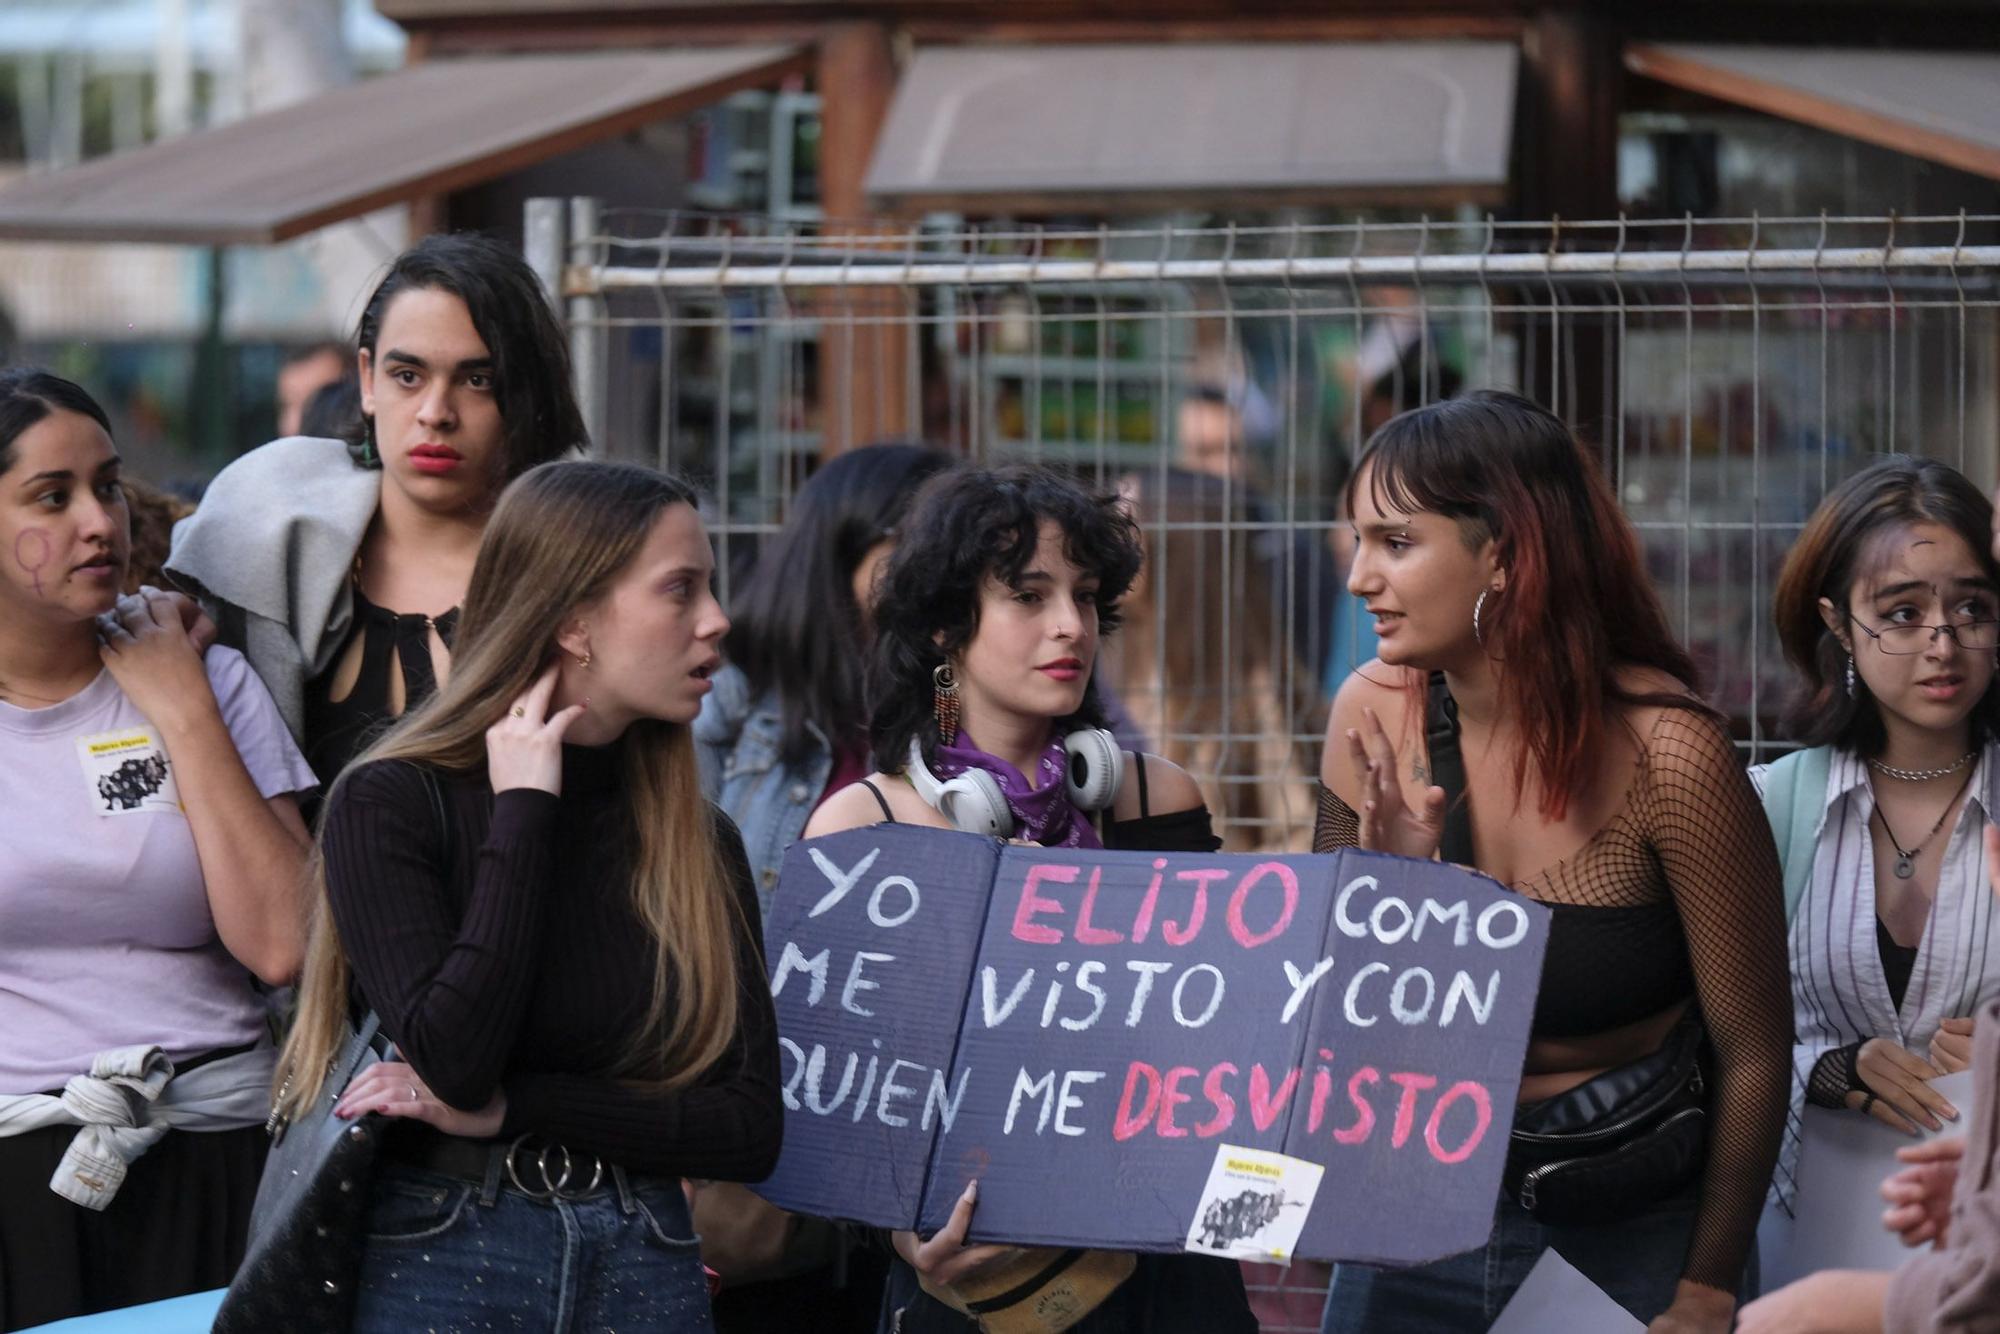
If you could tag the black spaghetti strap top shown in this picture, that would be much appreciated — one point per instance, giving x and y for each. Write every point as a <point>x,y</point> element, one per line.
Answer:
<point>337,731</point>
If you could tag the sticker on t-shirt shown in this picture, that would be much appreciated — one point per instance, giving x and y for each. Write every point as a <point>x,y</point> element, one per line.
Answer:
<point>128,772</point>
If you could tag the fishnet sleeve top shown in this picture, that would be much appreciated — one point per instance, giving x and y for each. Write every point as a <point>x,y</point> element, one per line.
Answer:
<point>1686,865</point>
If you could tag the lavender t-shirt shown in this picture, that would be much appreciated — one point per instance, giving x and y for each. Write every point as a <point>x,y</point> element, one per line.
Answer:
<point>106,939</point>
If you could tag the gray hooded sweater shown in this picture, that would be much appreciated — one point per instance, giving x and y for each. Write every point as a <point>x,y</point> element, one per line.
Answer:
<point>268,553</point>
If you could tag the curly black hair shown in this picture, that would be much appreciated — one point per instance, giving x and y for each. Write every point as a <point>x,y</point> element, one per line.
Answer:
<point>964,525</point>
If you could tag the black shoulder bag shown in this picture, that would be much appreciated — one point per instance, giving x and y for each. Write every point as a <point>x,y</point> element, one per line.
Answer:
<point>303,1258</point>
<point>1614,1144</point>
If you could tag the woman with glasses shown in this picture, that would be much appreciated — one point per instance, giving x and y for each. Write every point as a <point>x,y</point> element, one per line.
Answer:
<point>1889,608</point>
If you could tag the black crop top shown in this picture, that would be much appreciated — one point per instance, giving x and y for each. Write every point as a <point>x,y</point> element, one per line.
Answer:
<point>338,730</point>
<point>1678,894</point>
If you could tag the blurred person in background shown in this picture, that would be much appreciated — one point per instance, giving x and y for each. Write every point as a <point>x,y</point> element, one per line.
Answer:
<point>154,514</point>
<point>334,410</point>
<point>304,373</point>
<point>1202,665</point>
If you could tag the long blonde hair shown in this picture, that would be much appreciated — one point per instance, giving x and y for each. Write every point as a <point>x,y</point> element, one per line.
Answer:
<point>560,536</point>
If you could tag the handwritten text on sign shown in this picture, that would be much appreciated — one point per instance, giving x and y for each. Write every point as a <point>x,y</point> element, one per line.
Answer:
<point>1079,1029</point>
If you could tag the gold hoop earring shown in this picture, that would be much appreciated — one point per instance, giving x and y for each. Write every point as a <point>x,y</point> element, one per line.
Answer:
<point>583,660</point>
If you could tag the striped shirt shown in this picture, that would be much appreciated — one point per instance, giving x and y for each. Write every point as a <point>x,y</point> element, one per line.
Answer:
<point>1840,994</point>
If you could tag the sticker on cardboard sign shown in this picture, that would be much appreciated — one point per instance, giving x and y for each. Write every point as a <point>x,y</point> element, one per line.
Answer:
<point>127,772</point>
<point>1254,1205</point>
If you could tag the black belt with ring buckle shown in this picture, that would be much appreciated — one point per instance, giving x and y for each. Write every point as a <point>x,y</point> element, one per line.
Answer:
<point>544,1172</point>
<point>553,1188</point>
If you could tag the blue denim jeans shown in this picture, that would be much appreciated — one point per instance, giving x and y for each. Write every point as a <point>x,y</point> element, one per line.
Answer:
<point>442,1254</point>
<point>1636,1260</point>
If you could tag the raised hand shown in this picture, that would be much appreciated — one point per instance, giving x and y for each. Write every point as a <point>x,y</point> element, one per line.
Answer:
<point>524,749</point>
<point>1388,824</point>
<point>150,654</point>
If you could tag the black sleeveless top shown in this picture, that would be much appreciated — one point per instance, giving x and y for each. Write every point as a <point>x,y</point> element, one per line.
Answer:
<point>338,730</point>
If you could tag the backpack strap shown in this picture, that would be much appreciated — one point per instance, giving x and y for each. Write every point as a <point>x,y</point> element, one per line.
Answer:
<point>1794,801</point>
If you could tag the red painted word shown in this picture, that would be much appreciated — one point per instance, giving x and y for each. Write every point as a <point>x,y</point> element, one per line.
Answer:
<point>1155,1100</point>
<point>1259,907</point>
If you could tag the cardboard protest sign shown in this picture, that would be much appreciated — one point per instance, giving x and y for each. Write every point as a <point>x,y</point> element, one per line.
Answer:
<point>1279,1055</point>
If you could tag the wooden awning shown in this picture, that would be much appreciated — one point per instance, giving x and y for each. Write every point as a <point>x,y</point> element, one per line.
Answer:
<point>1941,105</point>
<point>433,127</point>
<point>1107,126</point>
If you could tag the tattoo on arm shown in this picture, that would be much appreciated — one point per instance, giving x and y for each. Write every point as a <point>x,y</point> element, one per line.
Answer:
<point>1421,773</point>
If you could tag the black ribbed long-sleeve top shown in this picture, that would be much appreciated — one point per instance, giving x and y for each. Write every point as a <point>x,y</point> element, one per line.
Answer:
<point>503,952</point>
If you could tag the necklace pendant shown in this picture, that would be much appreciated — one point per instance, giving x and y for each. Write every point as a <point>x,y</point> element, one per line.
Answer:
<point>1905,867</point>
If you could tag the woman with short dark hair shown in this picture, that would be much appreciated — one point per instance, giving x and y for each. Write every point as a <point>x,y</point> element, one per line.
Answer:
<point>985,718</point>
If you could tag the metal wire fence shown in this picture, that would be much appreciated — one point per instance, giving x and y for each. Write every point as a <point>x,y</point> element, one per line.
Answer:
<point>1727,370</point>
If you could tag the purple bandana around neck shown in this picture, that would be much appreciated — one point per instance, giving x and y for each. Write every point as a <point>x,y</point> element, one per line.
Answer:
<point>1043,814</point>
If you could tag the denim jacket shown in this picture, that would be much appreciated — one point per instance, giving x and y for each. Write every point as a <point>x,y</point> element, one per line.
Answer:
<point>737,739</point>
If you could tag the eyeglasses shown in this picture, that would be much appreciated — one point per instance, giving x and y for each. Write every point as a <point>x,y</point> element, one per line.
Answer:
<point>1907,639</point>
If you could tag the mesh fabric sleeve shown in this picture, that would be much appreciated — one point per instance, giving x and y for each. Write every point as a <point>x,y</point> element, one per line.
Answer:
<point>1834,1076</point>
<point>1706,826</point>
<point>1335,825</point>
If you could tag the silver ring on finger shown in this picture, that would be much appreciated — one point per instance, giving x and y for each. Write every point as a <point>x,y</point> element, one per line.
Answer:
<point>413,1093</point>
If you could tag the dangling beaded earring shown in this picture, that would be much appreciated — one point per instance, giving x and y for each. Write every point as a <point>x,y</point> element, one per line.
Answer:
<point>945,702</point>
<point>1477,603</point>
<point>1850,676</point>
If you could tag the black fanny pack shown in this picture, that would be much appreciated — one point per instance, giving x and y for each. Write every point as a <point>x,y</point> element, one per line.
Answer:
<point>1615,1144</point>
<point>1620,1142</point>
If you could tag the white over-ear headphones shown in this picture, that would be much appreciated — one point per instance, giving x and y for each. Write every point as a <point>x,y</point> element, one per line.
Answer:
<point>974,803</point>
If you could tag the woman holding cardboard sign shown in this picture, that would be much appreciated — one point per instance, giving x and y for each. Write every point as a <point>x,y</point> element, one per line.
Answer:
<point>1531,715</point>
<point>985,718</point>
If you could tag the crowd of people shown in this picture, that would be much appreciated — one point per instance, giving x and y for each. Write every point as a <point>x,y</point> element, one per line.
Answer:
<point>432,721</point>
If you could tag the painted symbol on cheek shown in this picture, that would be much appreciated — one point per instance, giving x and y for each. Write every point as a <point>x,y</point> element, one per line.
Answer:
<point>31,553</point>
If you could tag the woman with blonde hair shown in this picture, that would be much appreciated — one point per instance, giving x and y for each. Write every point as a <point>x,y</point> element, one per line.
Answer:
<point>568,962</point>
